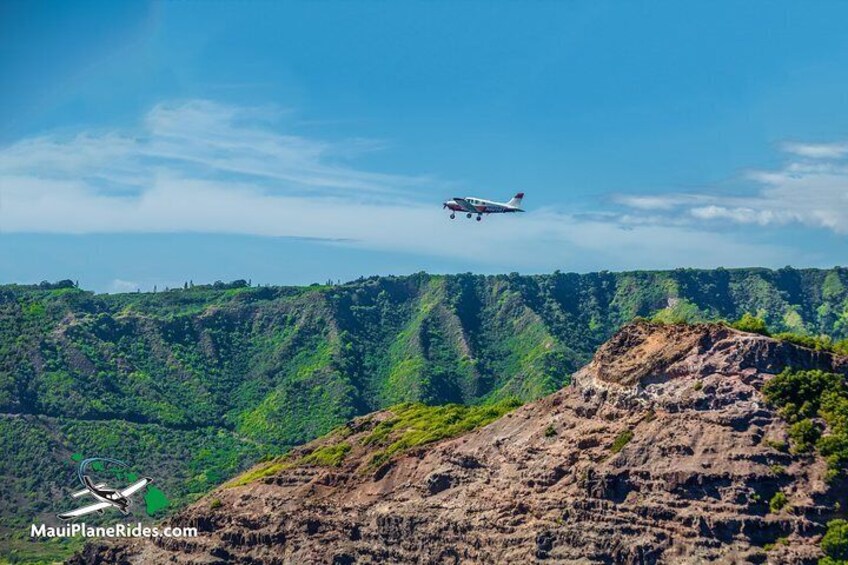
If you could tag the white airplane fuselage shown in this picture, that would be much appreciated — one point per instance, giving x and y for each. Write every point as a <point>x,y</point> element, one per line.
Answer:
<point>472,205</point>
<point>108,495</point>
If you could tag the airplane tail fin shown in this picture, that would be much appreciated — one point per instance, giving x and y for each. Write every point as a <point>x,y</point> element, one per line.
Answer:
<point>516,200</point>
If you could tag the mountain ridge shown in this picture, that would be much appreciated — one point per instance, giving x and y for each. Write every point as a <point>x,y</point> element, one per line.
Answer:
<point>673,457</point>
<point>194,385</point>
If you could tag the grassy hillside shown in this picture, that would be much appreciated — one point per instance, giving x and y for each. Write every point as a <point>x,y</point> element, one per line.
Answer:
<point>193,385</point>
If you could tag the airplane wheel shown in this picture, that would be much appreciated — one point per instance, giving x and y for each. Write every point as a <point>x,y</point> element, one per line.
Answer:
<point>479,218</point>
<point>468,215</point>
<point>452,216</point>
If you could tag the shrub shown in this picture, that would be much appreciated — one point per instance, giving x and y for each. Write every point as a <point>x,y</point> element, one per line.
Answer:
<point>804,435</point>
<point>777,542</point>
<point>621,440</point>
<point>835,541</point>
<point>798,393</point>
<point>778,502</point>
<point>777,470</point>
<point>750,323</point>
<point>215,503</point>
<point>776,444</point>
<point>550,431</point>
<point>802,395</point>
<point>682,312</point>
<point>819,343</point>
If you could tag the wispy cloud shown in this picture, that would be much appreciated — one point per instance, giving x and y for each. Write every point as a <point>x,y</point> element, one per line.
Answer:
<point>204,167</point>
<point>817,150</point>
<point>812,192</point>
<point>200,139</point>
<point>121,285</point>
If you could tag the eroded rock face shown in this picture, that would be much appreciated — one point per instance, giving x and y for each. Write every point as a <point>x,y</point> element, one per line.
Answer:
<point>554,481</point>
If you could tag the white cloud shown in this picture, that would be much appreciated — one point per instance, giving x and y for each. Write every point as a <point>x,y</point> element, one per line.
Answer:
<point>817,150</point>
<point>809,193</point>
<point>741,214</point>
<point>658,202</point>
<point>205,167</point>
<point>120,285</point>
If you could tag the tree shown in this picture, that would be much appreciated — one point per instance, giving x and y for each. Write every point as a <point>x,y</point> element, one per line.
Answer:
<point>835,541</point>
<point>750,323</point>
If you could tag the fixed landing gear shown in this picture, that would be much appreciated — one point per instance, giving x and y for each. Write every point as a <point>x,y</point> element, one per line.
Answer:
<point>468,215</point>
<point>452,216</point>
<point>479,217</point>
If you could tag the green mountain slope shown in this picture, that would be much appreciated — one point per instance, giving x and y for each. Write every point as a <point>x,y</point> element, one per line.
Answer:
<point>193,385</point>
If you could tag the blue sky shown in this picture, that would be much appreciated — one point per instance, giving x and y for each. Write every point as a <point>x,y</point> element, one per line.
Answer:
<point>153,143</point>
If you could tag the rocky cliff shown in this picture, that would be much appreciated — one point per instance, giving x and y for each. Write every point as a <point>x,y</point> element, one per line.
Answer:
<point>663,450</point>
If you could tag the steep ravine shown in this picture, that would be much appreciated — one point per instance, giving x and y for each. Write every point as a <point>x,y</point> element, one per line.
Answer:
<point>661,451</point>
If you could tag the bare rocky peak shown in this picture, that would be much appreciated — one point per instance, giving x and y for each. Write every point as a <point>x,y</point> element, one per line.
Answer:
<point>662,451</point>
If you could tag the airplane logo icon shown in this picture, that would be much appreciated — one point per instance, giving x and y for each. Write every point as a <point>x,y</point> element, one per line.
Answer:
<point>105,497</point>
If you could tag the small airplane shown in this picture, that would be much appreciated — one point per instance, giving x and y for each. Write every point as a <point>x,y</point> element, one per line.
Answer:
<point>479,206</point>
<point>106,497</point>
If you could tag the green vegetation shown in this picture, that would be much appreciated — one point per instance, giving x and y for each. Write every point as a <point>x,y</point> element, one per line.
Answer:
<point>804,435</point>
<point>410,425</point>
<point>777,445</point>
<point>778,502</point>
<point>823,342</point>
<point>819,342</point>
<point>266,469</point>
<point>777,470</point>
<point>778,542</point>
<point>803,395</point>
<point>194,385</point>
<point>750,323</point>
<point>413,425</point>
<point>835,543</point>
<point>328,455</point>
<point>682,311</point>
<point>19,548</point>
<point>621,440</point>
<point>550,431</point>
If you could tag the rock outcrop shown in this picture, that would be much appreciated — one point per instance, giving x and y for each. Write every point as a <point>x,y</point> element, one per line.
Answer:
<point>663,450</point>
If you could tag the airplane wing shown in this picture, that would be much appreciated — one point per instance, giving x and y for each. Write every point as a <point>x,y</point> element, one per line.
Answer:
<point>84,510</point>
<point>85,491</point>
<point>465,204</point>
<point>136,486</point>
